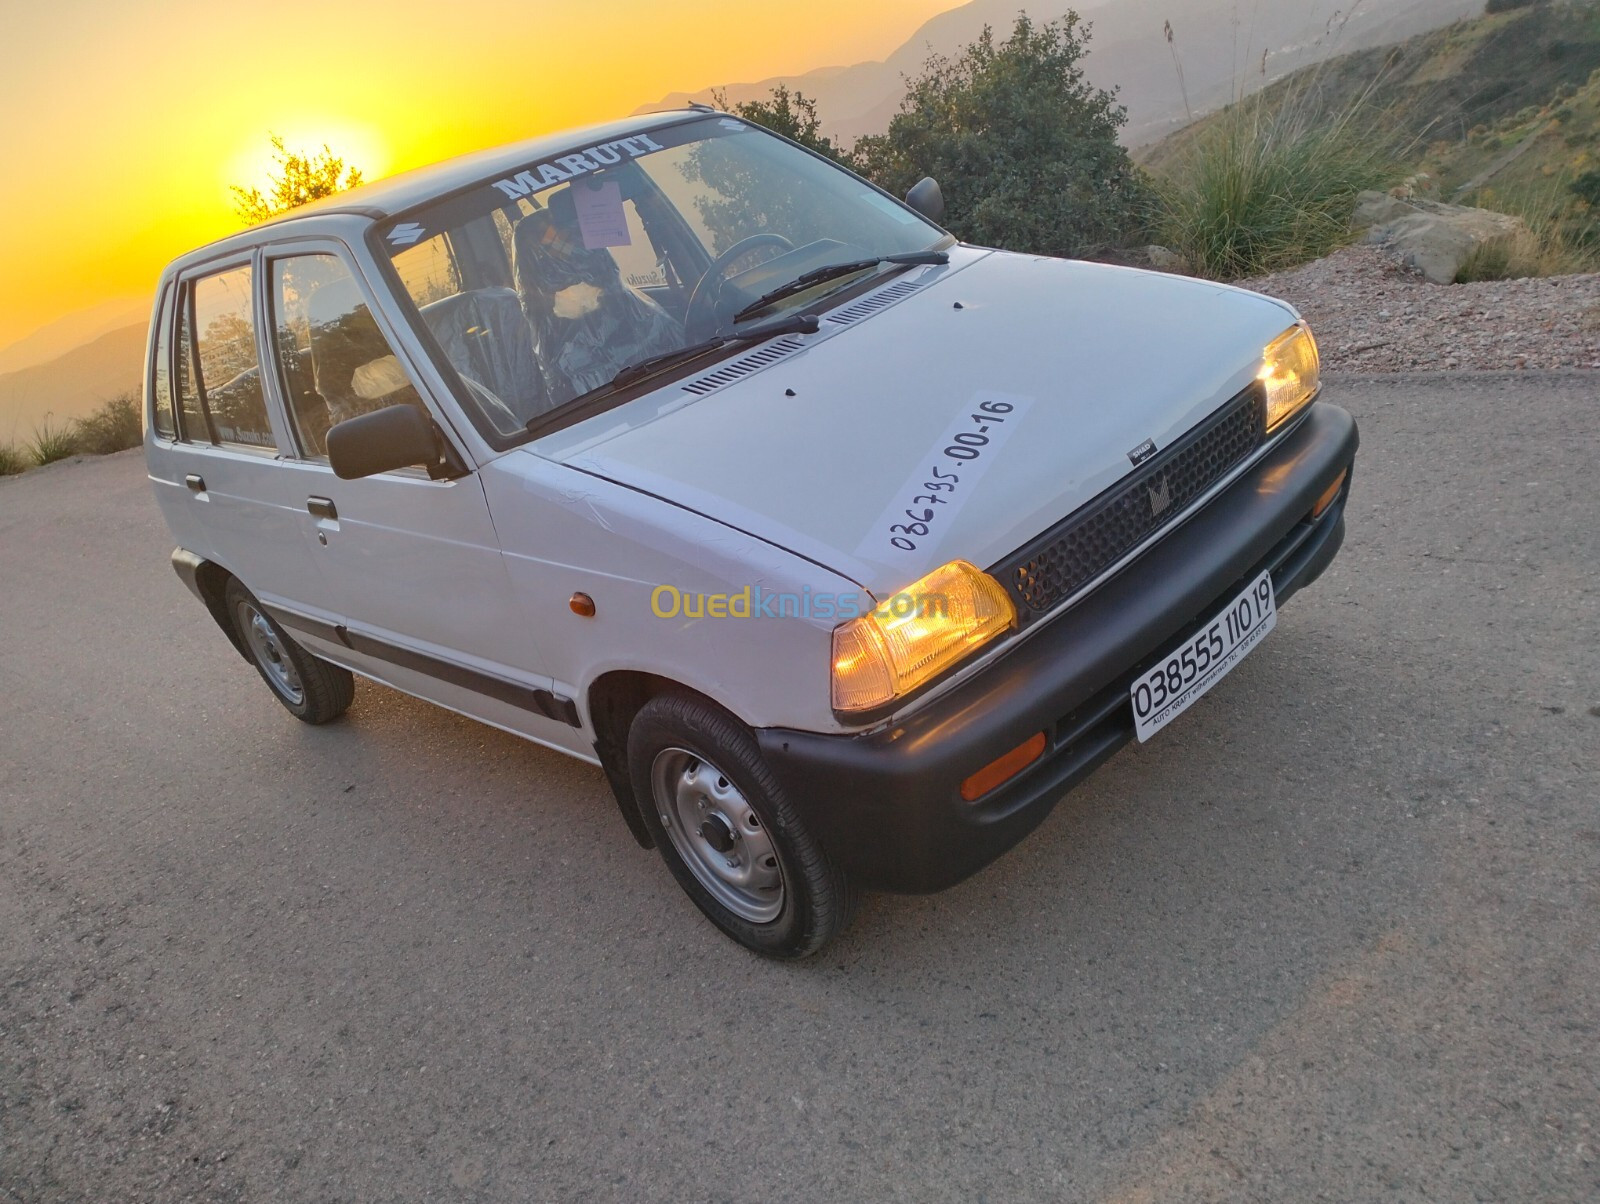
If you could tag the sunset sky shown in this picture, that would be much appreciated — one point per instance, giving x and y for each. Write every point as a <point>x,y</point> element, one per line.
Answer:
<point>127,120</point>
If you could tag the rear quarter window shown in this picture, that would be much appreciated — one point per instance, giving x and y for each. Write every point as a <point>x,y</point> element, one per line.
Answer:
<point>161,420</point>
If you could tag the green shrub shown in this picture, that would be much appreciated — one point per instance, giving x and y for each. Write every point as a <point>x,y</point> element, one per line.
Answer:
<point>51,443</point>
<point>1268,187</point>
<point>1024,148</point>
<point>11,460</point>
<point>115,426</point>
<point>1587,188</point>
<point>792,114</point>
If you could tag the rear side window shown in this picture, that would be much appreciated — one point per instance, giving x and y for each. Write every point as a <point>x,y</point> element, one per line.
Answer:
<point>161,377</point>
<point>227,370</point>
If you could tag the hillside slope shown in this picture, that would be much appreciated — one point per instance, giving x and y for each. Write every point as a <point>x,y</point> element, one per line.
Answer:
<point>1433,91</point>
<point>1219,42</point>
<point>72,385</point>
<point>71,331</point>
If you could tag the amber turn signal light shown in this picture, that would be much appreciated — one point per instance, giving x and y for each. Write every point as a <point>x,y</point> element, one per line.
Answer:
<point>1003,769</point>
<point>1327,498</point>
<point>582,604</point>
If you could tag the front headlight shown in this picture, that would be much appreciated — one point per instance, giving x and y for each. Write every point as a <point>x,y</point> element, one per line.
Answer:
<point>916,635</point>
<point>1290,369</point>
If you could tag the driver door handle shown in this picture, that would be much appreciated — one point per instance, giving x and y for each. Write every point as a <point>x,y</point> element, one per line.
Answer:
<point>322,507</point>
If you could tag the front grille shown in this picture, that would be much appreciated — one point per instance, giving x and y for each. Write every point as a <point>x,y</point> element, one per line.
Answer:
<point>1088,542</point>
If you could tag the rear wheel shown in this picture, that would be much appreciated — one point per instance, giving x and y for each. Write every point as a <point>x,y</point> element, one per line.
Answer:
<point>728,834</point>
<point>310,689</point>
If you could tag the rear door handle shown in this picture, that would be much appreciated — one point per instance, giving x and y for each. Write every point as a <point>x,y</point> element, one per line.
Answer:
<point>195,482</point>
<point>322,507</point>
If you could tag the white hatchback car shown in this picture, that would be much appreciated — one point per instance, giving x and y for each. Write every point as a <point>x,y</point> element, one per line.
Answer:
<point>843,548</point>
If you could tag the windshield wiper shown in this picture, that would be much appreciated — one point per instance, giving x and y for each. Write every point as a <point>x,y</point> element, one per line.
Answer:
<point>831,271</point>
<point>583,406</point>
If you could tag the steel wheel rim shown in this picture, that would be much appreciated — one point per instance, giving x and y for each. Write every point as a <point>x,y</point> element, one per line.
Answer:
<point>270,654</point>
<point>718,835</point>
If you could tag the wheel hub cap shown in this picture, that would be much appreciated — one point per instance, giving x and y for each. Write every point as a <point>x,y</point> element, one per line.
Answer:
<point>269,653</point>
<point>718,835</point>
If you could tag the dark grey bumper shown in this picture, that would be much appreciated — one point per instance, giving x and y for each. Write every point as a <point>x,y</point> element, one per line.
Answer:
<point>888,804</point>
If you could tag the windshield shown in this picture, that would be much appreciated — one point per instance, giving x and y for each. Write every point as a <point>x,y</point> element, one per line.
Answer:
<point>541,285</point>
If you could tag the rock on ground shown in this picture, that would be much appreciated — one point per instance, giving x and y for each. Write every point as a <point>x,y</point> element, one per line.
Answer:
<point>1434,238</point>
<point>1372,314</point>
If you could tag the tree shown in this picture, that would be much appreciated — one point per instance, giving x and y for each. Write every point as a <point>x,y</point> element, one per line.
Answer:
<point>740,198</point>
<point>792,114</point>
<point>300,178</point>
<point>1024,148</point>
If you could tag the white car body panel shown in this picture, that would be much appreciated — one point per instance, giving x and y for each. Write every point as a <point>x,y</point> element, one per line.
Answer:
<point>564,532</point>
<point>1109,356</point>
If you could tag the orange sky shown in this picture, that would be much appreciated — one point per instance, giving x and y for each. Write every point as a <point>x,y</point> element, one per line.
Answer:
<point>126,120</point>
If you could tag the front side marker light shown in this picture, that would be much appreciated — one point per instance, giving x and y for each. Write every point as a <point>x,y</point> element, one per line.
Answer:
<point>1291,369</point>
<point>1328,495</point>
<point>1002,769</point>
<point>928,627</point>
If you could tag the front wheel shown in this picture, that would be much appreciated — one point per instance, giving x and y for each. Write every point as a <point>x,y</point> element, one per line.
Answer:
<point>310,689</point>
<point>725,830</point>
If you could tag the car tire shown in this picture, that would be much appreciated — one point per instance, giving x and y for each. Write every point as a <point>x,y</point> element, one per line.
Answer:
<point>310,689</point>
<point>735,844</point>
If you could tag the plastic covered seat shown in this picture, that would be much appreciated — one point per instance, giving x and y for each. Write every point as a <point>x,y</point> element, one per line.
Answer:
<point>487,338</point>
<point>587,322</point>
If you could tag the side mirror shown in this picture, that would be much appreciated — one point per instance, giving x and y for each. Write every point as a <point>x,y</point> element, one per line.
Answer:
<point>927,199</point>
<point>393,437</point>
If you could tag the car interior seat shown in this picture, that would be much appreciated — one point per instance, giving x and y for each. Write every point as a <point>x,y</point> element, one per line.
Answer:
<point>587,322</point>
<point>487,338</point>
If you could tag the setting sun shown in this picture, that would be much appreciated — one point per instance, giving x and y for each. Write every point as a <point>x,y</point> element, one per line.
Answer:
<point>173,103</point>
<point>254,165</point>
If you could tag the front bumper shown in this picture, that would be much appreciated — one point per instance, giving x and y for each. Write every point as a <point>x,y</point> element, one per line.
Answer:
<point>887,804</point>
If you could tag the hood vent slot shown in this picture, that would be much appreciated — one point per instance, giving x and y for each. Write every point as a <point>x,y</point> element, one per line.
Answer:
<point>771,353</point>
<point>868,306</point>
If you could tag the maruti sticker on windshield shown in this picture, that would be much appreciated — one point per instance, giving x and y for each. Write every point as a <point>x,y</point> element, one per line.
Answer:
<point>567,167</point>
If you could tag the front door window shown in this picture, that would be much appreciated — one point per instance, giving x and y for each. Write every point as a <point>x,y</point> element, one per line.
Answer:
<point>334,360</point>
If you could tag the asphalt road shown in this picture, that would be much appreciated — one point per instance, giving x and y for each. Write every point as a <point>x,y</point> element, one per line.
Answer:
<point>1331,936</point>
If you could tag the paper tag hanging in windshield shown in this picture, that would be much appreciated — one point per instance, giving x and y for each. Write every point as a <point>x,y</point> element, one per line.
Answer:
<point>600,215</point>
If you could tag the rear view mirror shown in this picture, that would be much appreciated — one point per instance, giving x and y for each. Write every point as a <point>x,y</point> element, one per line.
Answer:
<point>927,198</point>
<point>382,441</point>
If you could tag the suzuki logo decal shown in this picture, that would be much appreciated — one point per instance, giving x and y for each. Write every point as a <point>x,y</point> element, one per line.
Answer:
<point>1160,497</point>
<point>405,234</point>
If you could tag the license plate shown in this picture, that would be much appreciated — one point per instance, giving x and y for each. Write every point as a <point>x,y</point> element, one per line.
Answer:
<point>1173,686</point>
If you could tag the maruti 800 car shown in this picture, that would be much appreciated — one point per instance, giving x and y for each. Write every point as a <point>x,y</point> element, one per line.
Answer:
<point>843,548</point>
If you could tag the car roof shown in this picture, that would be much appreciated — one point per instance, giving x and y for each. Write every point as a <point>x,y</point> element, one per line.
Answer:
<point>384,198</point>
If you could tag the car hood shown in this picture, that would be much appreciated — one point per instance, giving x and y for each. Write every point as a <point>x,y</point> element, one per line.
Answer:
<point>822,450</point>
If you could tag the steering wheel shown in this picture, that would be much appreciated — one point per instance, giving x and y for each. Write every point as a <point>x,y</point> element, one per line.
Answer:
<point>700,319</point>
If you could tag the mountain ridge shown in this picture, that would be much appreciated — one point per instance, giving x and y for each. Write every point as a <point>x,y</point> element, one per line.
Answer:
<point>1128,52</point>
<point>73,384</point>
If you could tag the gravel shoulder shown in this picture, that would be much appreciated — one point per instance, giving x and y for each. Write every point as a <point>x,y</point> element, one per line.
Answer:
<point>1370,314</point>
